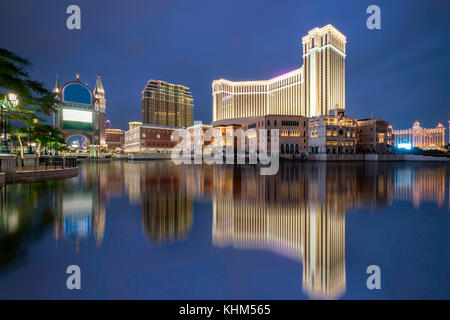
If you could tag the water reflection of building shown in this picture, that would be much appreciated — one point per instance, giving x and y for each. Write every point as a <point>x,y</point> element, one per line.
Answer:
<point>167,209</point>
<point>324,252</point>
<point>80,211</point>
<point>291,215</point>
<point>424,185</point>
<point>78,216</point>
<point>300,212</point>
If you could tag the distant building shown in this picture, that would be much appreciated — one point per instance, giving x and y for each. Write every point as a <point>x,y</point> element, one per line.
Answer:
<point>293,132</point>
<point>114,138</point>
<point>167,104</point>
<point>332,134</point>
<point>373,136</point>
<point>314,89</point>
<point>149,139</point>
<point>421,137</point>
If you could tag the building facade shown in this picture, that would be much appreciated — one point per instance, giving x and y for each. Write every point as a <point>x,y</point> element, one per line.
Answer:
<point>293,132</point>
<point>149,139</point>
<point>80,111</point>
<point>167,104</point>
<point>374,136</point>
<point>114,138</point>
<point>419,137</point>
<point>332,134</point>
<point>312,90</point>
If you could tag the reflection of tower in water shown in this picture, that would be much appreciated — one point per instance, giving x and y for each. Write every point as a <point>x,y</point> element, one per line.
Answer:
<point>167,209</point>
<point>290,215</point>
<point>312,233</point>
<point>324,252</point>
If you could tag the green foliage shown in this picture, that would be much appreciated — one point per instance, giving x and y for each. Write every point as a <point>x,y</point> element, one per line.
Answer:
<point>33,96</point>
<point>34,100</point>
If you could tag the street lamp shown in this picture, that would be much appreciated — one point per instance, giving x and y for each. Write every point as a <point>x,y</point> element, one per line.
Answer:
<point>9,102</point>
<point>30,150</point>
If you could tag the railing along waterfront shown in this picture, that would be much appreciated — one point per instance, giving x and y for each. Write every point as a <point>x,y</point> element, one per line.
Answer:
<point>45,163</point>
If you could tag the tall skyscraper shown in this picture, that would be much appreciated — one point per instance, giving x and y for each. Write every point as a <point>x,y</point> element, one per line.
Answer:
<point>314,89</point>
<point>167,104</point>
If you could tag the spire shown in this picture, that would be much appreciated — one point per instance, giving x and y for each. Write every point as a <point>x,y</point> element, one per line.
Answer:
<point>56,88</point>
<point>99,92</point>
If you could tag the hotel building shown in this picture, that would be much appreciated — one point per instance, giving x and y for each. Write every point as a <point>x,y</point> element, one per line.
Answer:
<point>149,139</point>
<point>373,136</point>
<point>167,104</point>
<point>421,137</point>
<point>311,90</point>
<point>332,134</point>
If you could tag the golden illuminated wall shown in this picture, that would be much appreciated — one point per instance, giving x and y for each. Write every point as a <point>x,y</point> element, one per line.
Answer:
<point>313,89</point>
<point>280,95</point>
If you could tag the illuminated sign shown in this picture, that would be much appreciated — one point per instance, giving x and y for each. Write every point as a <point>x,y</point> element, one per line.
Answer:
<point>406,146</point>
<point>77,115</point>
<point>77,119</point>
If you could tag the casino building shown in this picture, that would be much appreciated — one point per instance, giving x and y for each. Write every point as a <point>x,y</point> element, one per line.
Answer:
<point>421,137</point>
<point>81,110</point>
<point>314,89</point>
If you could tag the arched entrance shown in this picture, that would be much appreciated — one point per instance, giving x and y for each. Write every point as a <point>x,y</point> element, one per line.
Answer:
<point>78,143</point>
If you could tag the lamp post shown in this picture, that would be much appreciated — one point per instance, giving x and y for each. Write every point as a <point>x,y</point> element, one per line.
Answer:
<point>9,102</point>
<point>30,150</point>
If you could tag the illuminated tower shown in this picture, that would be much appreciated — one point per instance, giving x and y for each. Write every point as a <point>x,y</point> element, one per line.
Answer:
<point>167,104</point>
<point>324,71</point>
<point>314,89</point>
<point>100,109</point>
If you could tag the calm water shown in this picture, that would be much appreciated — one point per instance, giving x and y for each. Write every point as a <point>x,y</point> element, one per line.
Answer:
<point>153,230</point>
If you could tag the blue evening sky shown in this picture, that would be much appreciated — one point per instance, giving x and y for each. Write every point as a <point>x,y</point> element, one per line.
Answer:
<point>400,73</point>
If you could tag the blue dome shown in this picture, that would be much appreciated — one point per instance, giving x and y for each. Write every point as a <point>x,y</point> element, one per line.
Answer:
<point>78,93</point>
